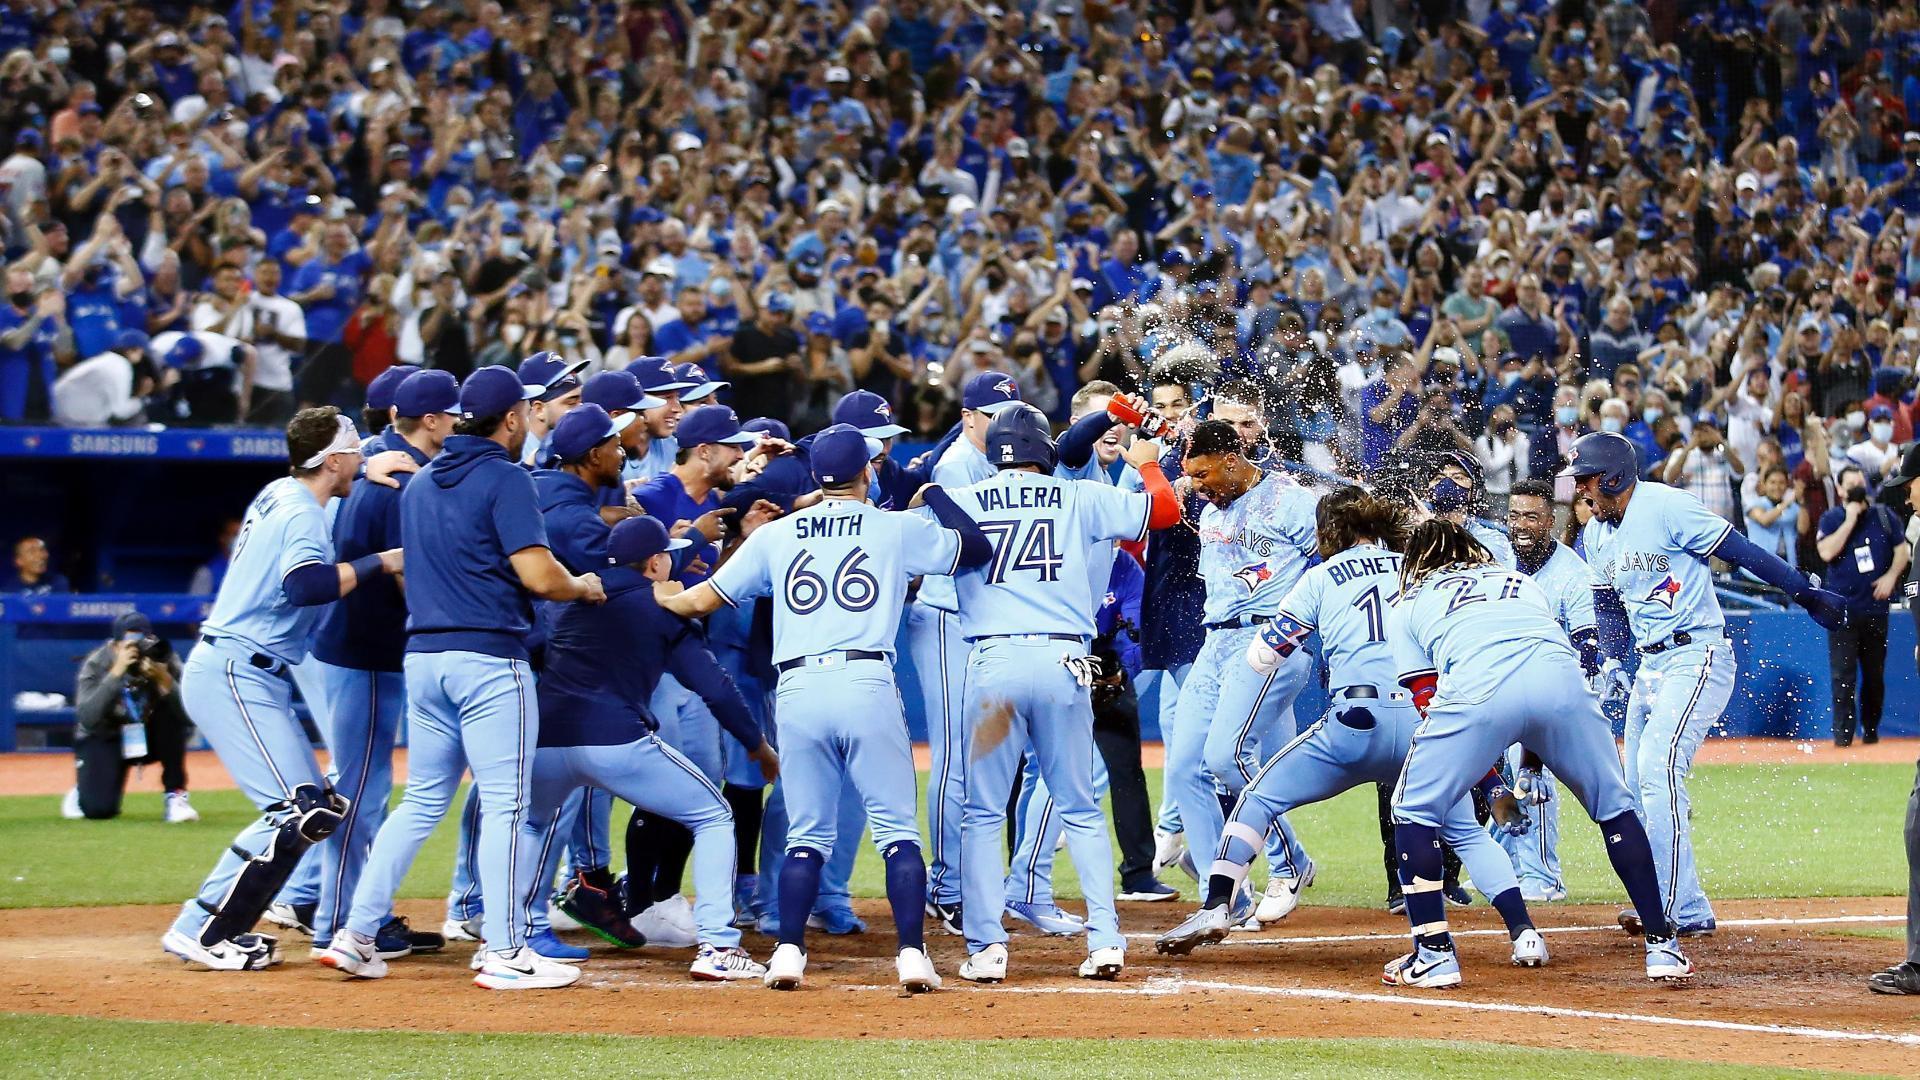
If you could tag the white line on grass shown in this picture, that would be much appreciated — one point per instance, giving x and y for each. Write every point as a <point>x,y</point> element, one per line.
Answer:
<point>1610,928</point>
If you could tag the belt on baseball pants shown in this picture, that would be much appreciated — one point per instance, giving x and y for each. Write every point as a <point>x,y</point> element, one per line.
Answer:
<point>1239,624</point>
<point>822,659</point>
<point>1075,638</point>
<point>1367,692</point>
<point>260,660</point>
<point>1674,642</point>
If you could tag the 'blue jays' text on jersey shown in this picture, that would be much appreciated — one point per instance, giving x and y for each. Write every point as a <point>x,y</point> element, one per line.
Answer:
<point>1656,559</point>
<point>1567,582</point>
<point>1347,599</point>
<point>837,572</point>
<point>961,465</point>
<point>1253,551</point>
<point>1045,533</point>
<point>283,530</point>
<point>1475,627</point>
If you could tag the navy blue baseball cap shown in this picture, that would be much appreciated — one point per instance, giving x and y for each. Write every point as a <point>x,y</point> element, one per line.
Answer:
<point>186,351</point>
<point>989,392</point>
<point>768,426</point>
<point>638,539</point>
<point>869,412</point>
<point>384,385</point>
<point>424,393</point>
<point>779,303</point>
<point>617,390</point>
<point>552,373</point>
<point>712,424</point>
<point>840,452</point>
<point>492,390</point>
<point>583,428</point>
<point>657,376</point>
<point>703,388</point>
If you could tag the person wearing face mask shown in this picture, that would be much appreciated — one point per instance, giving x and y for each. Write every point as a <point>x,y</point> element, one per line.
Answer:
<point>1876,455</point>
<point>1551,449</point>
<point>1867,555</point>
<point>1613,416</point>
<point>1503,449</point>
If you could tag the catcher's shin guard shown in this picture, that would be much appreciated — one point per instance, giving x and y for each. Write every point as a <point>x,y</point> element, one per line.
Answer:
<point>310,816</point>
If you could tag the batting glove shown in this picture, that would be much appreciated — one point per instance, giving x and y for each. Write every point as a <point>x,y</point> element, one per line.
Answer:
<point>1531,788</point>
<point>1611,682</point>
<point>1085,669</point>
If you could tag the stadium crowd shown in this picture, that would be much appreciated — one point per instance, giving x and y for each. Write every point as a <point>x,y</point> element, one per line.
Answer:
<point>1417,225</point>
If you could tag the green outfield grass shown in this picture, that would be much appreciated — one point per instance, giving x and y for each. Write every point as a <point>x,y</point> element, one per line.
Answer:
<point>70,1047</point>
<point>1762,830</point>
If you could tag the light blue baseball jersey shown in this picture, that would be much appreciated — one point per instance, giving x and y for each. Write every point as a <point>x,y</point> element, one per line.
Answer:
<point>1474,627</point>
<point>1100,567</point>
<point>1347,599</point>
<point>283,530</point>
<point>1254,551</point>
<point>1495,540</point>
<point>1565,579</point>
<point>837,572</point>
<point>1046,535</point>
<point>1656,559</point>
<point>960,466</point>
<point>657,461</point>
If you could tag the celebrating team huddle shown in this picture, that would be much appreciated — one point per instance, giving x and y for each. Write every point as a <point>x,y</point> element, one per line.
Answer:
<point>581,591</point>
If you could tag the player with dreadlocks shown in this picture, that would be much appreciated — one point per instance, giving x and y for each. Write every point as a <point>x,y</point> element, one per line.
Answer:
<point>1477,646</point>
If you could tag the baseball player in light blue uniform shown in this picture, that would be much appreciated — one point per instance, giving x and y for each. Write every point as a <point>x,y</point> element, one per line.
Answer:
<point>1563,576</point>
<point>940,652</point>
<point>479,549</point>
<point>1479,649</point>
<point>1647,549</point>
<point>838,572</point>
<point>1458,493</point>
<point>1029,616</point>
<point>1256,539</point>
<point>236,687</point>
<point>1369,724</point>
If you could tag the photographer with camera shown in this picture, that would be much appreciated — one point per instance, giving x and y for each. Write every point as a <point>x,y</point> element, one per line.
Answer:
<point>1866,553</point>
<point>128,712</point>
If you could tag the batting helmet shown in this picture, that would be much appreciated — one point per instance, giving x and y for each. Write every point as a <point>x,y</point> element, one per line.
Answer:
<point>1608,455</point>
<point>1018,435</point>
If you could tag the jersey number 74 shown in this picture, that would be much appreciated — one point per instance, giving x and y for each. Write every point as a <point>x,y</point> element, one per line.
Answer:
<point>1037,552</point>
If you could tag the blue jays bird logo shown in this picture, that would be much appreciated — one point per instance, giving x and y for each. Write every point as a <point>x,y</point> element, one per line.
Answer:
<point>1254,576</point>
<point>1666,592</point>
<point>1006,387</point>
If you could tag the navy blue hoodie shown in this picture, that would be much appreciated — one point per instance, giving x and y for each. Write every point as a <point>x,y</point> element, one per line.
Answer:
<point>461,518</point>
<point>367,629</point>
<point>604,661</point>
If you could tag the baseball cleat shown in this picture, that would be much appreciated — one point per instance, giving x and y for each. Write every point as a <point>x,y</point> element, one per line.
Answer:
<point>838,921</point>
<point>1666,963</point>
<point>393,940</point>
<point>1150,891</point>
<point>1049,919</point>
<point>461,929</point>
<point>786,968</point>
<point>292,916</point>
<point>548,945</point>
<point>1551,894</point>
<point>352,954</point>
<point>1103,964</point>
<point>989,965</point>
<point>1168,847</point>
<point>557,916</point>
<point>1457,894</point>
<point>598,911</point>
<point>423,941</point>
<point>1204,927</point>
<point>1630,922</point>
<point>243,952</point>
<point>725,964</point>
<point>1699,929</point>
<point>1530,949</point>
<point>659,926</point>
<point>1396,904</point>
<point>1426,967</point>
<point>947,915</point>
<point>1898,979</point>
<point>179,810</point>
<point>916,972</point>
<point>523,969</point>
<point>1282,896</point>
<point>1241,914</point>
<point>70,805</point>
